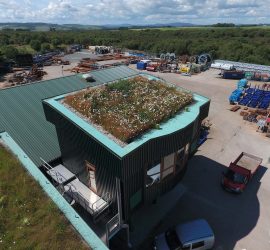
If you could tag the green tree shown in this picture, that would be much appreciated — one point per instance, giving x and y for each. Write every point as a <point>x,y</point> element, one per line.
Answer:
<point>9,52</point>
<point>45,47</point>
<point>56,42</point>
<point>36,45</point>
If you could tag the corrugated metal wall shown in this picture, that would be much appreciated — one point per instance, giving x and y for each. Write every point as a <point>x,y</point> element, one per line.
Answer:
<point>77,146</point>
<point>134,163</point>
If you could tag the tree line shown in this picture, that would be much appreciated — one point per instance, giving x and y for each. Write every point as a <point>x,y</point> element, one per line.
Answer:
<point>230,43</point>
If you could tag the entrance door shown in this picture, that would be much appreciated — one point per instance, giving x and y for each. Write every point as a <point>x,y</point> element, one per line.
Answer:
<point>91,176</point>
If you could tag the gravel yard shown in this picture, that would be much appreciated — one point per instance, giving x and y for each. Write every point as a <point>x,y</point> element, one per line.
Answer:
<point>239,221</point>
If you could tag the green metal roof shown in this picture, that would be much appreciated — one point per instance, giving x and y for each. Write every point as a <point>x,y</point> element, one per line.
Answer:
<point>22,115</point>
<point>112,74</point>
<point>180,121</point>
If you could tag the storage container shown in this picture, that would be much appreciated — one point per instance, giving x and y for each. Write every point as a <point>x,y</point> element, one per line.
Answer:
<point>141,65</point>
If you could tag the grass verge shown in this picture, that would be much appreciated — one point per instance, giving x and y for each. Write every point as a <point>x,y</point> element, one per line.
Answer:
<point>28,218</point>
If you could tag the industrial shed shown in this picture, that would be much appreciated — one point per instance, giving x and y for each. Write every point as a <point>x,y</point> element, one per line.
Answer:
<point>146,168</point>
<point>125,177</point>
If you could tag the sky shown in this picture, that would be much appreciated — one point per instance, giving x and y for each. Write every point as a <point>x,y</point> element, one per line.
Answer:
<point>100,12</point>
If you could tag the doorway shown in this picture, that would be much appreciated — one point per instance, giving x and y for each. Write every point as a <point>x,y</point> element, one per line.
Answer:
<point>91,169</point>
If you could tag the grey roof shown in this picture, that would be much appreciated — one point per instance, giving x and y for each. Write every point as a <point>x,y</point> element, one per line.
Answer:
<point>22,115</point>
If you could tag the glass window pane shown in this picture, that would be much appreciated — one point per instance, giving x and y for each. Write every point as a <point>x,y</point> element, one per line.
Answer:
<point>169,163</point>
<point>153,175</point>
<point>169,160</point>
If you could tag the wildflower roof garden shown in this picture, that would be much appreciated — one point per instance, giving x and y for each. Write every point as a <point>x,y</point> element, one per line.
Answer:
<point>127,108</point>
<point>133,110</point>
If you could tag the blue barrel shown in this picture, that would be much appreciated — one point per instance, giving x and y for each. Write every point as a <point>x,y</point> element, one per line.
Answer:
<point>141,65</point>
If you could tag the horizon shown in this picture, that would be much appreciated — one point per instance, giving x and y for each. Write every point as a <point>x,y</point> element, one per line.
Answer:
<point>135,12</point>
<point>137,24</point>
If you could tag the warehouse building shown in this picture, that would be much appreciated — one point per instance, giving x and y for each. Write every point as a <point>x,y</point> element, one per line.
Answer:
<point>88,165</point>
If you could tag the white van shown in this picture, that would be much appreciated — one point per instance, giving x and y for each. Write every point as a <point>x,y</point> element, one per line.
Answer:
<point>196,235</point>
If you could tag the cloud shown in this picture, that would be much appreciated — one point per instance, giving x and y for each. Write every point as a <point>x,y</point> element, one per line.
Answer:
<point>135,11</point>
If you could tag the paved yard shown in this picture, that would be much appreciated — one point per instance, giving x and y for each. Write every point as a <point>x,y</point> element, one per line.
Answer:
<point>239,221</point>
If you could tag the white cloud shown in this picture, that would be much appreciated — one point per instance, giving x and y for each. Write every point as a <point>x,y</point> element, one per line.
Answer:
<point>135,11</point>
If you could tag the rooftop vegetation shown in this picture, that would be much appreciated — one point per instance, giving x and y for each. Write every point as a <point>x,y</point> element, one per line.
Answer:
<point>28,218</point>
<point>128,108</point>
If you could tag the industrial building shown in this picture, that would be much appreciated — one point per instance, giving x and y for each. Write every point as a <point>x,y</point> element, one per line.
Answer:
<point>88,166</point>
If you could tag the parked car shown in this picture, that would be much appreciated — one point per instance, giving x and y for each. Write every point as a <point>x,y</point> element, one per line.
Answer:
<point>195,234</point>
<point>240,172</point>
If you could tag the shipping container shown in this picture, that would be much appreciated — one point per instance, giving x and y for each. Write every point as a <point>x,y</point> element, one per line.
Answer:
<point>233,74</point>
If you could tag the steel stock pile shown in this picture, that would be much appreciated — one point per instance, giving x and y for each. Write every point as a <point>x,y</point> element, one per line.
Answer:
<point>89,64</point>
<point>238,70</point>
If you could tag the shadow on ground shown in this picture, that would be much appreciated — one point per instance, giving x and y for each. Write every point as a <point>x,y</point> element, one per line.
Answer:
<point>232,216</point>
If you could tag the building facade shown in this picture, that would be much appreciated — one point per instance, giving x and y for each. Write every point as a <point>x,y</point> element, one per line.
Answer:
<point>147,168</point>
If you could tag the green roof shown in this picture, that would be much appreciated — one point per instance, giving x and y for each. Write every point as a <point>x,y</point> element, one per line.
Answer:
<point>180,121</point>
<point>22,115</point>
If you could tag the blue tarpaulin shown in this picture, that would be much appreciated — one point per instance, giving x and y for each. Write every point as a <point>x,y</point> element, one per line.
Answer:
<point>235,96</point>
<point>242,83</point>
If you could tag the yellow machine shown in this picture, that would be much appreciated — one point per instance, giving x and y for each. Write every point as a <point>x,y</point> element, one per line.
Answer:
<point>185,69</point>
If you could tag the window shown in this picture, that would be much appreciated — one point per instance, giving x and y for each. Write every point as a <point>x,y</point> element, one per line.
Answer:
<point>197,244</point>
<point>91,176</point>
<point>235,177</point>
<point>153,174</point>
<point>159,170</point>
<point>168,165</point>
<point>187,149</point>
<point>180,159</point>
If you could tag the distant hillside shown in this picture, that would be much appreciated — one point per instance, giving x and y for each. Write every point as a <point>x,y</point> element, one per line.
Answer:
<point>48,26</point>
<point>157,25</point>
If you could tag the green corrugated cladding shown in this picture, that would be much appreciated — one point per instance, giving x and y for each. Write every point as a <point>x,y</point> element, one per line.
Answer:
<point>22,114</point>
<point>77,146</point>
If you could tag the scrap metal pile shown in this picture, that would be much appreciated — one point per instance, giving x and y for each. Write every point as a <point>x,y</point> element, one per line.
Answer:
<point>185,65</point>
<point>34,74</point>
<point>89,64</point>
<point>260,117</point>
